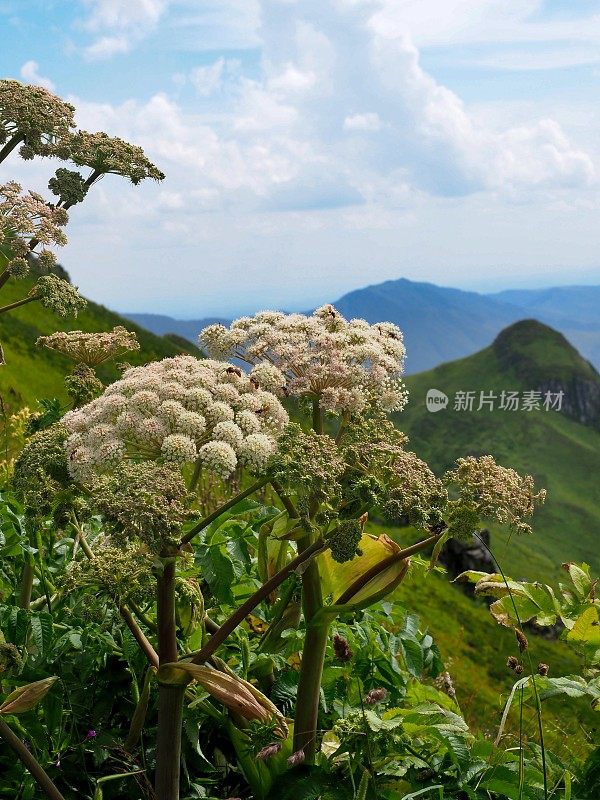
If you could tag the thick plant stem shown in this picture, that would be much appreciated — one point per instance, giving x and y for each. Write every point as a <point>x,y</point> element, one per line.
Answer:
<point>227,628</point>
<point>204,523</point>
<point>18,303</point>
<point>313,658</point>
<point>168,741</point>
<point>26,584</point>
<point>313,654</point>
<point>10,146</point>
<point>309,690</point>
<point>32,766</point>
<point>170,698</point>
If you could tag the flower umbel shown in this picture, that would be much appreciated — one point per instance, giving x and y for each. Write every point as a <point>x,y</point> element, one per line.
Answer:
<point>91,348</point>
<point>177,411</point>
<point>346,364</point>
<point>487,490</point>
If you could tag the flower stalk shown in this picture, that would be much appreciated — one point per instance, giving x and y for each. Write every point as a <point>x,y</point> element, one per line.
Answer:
<point>170,697</point>
<point>31,764</point>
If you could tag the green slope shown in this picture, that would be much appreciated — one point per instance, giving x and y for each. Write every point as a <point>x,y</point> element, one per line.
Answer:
<point>32,372</point>
<point>562,454</point>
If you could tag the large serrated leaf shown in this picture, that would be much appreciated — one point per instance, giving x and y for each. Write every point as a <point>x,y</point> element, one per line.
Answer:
<point>41,632</point>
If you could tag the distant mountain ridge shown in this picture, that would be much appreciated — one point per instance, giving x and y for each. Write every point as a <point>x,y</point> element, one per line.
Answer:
<point>442,324</point>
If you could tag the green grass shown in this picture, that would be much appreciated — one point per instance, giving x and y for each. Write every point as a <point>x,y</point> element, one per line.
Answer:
<point>32,373</point>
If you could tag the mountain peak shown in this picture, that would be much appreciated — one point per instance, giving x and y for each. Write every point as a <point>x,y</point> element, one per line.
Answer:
<point>537,353</point>
<point>542,359</point>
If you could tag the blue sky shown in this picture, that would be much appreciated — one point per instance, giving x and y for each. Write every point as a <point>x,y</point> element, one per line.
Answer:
<point>315,146</point>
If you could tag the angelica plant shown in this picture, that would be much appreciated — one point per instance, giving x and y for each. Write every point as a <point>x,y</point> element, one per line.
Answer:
<point>43,125</point>
<point>351,372</point>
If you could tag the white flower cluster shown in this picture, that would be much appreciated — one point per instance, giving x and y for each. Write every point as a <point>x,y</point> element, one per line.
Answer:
<point>347,364</point>
<point>177,410</point>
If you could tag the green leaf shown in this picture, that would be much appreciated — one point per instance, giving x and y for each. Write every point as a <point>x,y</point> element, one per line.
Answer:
<point>217,571</point>
<point>586,629</point>
<point>413,657</point>
<point>41,632</point>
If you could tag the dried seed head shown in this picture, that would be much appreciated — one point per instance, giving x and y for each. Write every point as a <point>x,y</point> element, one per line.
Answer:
<point>296,758</point>
<point>522,640</point>
<point>341,648</point>
<point>269,751</point>
<point>519,669</point>
<point>512,662</point>
<point>543,669</point>
<point>375,696</point>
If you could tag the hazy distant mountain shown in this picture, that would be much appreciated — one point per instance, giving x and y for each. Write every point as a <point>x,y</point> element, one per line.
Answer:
<point>574,310</point>
<point>161,324</point>
<point>442,324</point>
<point>439,324</point>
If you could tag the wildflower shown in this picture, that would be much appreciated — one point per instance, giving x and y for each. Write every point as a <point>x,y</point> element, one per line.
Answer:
<point>167,411</point>
<point>69,186</point>
<point>346,364</point>
<point>143,501</point>
<point>57,294</point>
<point>109,154</point>
<point>82,385</point>
<point>91,348</point>
<point>91,734</point>
<point>34,113</point>
<point>344,540</point>
<point>309,463</point>
<point>41,470</point>
<point>543,669</point>
<point>24,217</point>
<point>341,648</point>
<point>416,495</point>
<point>18,267</point>
<point>296,758</point>
<point>124,573</point>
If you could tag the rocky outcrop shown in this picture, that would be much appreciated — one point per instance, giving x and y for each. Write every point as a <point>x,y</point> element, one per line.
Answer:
<point>580,399</point>
<point>459,556</point>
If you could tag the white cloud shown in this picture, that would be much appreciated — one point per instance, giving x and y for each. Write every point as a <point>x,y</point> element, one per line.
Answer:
<point>30,73</point>
<point>362,122</point>
<point>107,46</point>
<point>123,14</point>
<point>207,80</point>
<point>118,24</point>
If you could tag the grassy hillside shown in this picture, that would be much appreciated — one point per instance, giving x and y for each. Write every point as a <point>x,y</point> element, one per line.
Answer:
<point>33,372</point>
<point>562,455</point>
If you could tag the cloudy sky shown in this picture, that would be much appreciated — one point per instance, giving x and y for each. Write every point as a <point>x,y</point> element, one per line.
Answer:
<point>315,146</point>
